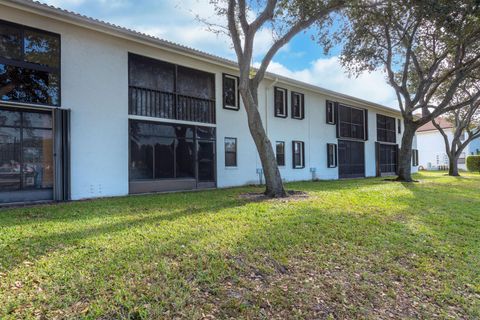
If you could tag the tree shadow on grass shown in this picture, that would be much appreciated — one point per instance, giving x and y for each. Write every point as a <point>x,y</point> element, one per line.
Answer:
<point>33,244</point>
<point>324,248</point>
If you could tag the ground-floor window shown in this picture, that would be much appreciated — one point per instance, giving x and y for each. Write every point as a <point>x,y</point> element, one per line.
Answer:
<point>331,155</point>
<point>298,152</point>
<point>280,153</point>
<point>230,152</point>
<point>160,151</point>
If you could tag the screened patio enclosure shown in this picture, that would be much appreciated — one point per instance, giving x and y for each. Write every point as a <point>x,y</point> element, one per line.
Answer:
<point>166,157</point>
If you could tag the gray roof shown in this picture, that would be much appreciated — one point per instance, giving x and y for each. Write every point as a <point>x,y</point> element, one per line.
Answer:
<point>115,30</point>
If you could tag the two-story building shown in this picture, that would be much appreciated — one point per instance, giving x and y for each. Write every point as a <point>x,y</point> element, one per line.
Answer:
<point>89,109</point>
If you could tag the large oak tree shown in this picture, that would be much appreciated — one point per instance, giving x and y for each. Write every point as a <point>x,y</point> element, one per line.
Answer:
<point>426,47</point>
<point>286,19</point>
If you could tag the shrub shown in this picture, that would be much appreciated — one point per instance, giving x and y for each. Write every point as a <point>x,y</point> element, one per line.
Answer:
<point>473,163</point>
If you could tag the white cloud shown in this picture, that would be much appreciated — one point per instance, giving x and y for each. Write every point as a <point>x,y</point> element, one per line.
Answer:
<point>176,20</point>
<point>328,73</point>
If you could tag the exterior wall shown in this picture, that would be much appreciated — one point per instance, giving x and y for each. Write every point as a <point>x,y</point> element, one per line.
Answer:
<point>474,147</point>
<point>432,152</point>
<point>94,75</point>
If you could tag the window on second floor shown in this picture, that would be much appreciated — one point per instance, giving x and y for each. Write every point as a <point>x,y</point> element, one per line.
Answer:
<point>386,129</point>
<point>352,123</point>
<point>165,90</point>
<point>298,152</point>
<point>231,99</point>
<point>298,105</point>
<point>29,65</point>
<point>330,106</point>
<point>280,152</point>
<point>280,102</point>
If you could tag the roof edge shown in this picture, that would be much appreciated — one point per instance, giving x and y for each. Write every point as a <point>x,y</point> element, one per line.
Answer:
<point>84,21</point>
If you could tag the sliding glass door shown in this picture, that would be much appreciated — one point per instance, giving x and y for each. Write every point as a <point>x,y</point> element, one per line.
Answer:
<point>166,157</point>
<point>26,155</point>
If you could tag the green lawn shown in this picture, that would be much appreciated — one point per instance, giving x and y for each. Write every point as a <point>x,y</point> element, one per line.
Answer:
<point>352,249</point>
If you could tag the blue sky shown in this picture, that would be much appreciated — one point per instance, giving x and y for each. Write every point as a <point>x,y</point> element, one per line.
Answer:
<point>175,20</point>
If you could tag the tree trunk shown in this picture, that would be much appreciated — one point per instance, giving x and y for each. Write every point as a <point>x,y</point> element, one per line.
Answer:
<point>405,155</point>
<point>273,179</point>
<point>453,166</point>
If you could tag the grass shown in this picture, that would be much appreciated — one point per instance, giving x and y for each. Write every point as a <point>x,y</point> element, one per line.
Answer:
<point>352,249</point>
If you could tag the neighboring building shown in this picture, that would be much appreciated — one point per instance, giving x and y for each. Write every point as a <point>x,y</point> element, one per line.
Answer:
<point>89,109</point>
<point>431,146</point>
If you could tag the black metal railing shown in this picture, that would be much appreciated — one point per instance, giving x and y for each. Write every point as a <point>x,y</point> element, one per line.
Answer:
<point>160,104</point>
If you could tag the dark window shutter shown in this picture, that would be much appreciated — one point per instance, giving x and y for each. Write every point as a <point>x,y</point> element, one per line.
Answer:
<point>366,124</point>
<point>303,106</point>
<point>398,158</point>
<point>223,90</point>
<point>292,103</point>
<point>303,154</point>
<point>336,156</point>
<point>62,154</point>
<point>377,159</point>
<point>335,112</point>
<point>293,154</point>
<point>328,155</point>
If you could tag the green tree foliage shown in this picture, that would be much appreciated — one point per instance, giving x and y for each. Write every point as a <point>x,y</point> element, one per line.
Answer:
<point>428,49</point>
<point>473,163</point>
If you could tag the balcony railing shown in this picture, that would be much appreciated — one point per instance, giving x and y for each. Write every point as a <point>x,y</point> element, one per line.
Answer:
<point>160,104</point>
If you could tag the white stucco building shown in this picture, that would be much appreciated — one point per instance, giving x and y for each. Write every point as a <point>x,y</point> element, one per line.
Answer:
<point>89,109</point>
<point>431,146</point>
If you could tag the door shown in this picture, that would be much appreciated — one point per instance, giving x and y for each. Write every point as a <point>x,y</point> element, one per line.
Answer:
<point>351,159</point>
<point>26,155</point>
<point>387,159</point>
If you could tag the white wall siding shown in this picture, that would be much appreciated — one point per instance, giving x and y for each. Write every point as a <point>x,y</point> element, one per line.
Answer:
<point>95,87</point>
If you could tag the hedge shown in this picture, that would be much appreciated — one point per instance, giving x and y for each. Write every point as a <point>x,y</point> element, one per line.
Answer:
<point>473,163</point>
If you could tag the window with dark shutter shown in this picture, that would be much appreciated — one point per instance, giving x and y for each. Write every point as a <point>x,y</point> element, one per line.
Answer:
<point>399,126</point>
<point>231,99</point>
<point>298,153</point>
<point>230,152</point>
<point>280,152</point>
<point>330,116</point>
<point>386,129</point>
<point>298,105</point>
<point>332,155</point>
<point>280,101</point>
